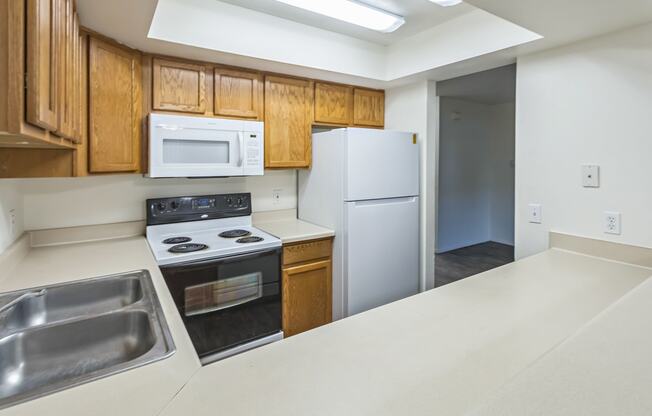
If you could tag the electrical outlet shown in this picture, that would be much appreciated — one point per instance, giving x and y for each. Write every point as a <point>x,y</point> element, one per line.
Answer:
<point>534,213</point>
<point>276,196</point>
<point>612,222</point>
<point>12,223</point>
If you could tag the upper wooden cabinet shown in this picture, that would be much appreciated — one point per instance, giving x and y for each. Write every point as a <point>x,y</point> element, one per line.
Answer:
<point>368,107</point>
<point>288,122</point>
<point>44,27</point>
<point>333,104</point>
<point>179,86</point>
<point>238,93</point>
<point>115,108</point>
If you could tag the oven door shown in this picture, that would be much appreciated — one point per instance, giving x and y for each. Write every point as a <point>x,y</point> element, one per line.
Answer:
<point>228,302</point>
<point>179,151</point>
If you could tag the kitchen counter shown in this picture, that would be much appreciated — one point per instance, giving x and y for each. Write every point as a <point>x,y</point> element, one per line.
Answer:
<point>142,391</point>
<point>604,370</point>
<point>445,351</point>
<point>285,225</point>
<point>441,352</point>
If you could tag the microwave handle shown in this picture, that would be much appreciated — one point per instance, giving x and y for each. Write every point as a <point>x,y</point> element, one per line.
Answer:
<point>240,148</point>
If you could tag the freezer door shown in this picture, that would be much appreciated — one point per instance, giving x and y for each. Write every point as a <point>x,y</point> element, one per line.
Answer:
<point>380,164</point>
<point>381,252</point>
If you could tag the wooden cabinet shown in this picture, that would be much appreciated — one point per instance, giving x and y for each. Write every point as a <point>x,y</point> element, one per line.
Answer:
<point>288,122</point>
<point>69,75</point>
<point>179,86</point>
<point>115,108</point>
<point>333,104</point>
<point>44,26</point>
<point>238,93</point>
<point>307,286</point>
<point>368,107</point>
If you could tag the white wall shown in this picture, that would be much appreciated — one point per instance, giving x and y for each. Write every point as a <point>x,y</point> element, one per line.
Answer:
<point>10,201</point>
<point>587,103</point>
<point>476,179</point>
<point>53,203</point>
<point>414,108</point>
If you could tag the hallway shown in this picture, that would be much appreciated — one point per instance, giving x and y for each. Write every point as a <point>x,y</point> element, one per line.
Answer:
<point>467,261</point>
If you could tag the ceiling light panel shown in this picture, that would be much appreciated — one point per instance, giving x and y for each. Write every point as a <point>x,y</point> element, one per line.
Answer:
<point>447,3</point>
<point>351,12</point>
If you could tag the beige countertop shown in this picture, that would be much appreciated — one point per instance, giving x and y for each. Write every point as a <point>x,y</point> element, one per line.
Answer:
<point>445,351</point>
<point>142,391</point>
<point>605,370</point>
<point>437,353</point>
<point>284,225</point>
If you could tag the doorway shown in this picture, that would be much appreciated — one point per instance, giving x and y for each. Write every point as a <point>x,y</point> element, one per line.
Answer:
<point>475,193</point>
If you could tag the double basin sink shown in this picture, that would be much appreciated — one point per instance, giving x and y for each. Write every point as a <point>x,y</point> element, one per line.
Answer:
<point>56,337</point>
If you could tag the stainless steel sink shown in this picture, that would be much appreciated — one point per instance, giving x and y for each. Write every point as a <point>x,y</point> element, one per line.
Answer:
<point>57,337</point>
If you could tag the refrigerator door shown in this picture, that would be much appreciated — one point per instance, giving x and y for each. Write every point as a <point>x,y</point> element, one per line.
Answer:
<point>381,252</point>
<point>380,164</point>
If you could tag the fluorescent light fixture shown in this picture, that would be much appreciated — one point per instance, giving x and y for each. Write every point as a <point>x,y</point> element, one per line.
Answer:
<point>446,3</point>
<point>351,12</point>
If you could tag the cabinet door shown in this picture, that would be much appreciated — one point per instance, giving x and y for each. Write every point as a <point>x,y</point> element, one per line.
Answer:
<point>238,93</point>
<point>307,297</point>
<point>114,108</point>
<point>333,104</point>
<point>288,122</point>
<point>43,40</point>
<point>66,72</point>
<point>179,86</point>
<point>368,107</point>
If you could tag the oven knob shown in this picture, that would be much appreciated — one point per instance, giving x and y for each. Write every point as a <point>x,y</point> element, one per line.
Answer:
<point>174,205</point>
<point>229,201</point>
<point>161,206</point>
<point>239,201</point>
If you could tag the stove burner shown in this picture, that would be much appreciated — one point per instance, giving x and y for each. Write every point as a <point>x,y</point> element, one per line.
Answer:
<point>234,233</point>
<point>252,239</point>
<point>176,240</point>
<point>187,248</point>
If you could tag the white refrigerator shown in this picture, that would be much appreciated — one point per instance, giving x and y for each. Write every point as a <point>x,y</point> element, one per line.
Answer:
<point>364,184</point>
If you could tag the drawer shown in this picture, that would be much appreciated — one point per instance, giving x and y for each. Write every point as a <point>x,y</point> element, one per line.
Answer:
<point>308,251</point>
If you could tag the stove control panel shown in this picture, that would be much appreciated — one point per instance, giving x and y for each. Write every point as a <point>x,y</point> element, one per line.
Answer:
<point>197,208</point>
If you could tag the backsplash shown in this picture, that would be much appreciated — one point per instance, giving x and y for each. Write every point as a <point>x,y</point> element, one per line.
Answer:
<point>55,203</point>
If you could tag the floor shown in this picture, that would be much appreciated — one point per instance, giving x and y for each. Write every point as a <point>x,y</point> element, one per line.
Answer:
<point>464,262</point>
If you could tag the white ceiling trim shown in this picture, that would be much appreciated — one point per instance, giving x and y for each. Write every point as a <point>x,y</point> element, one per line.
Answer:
<point>223,27</point>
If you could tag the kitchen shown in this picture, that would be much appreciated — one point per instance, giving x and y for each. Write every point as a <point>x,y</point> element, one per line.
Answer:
<point>331,163</point>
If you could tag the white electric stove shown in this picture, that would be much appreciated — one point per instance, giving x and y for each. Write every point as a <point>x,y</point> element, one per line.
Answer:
<point>223,274</point>
<point>189,241</point>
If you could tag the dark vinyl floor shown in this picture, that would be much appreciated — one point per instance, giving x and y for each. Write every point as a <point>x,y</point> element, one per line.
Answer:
<point>464,262</point>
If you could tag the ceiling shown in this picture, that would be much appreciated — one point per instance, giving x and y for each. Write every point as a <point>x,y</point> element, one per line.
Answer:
<point>419,15</point>
<point>436,43</point>
<point>495,86</point>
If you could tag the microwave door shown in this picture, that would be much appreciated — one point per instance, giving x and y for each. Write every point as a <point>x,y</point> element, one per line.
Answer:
<point>196,152</point>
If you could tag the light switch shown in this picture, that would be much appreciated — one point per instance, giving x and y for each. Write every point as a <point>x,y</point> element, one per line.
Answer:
<point>591,176</point>
<point>534,213</point>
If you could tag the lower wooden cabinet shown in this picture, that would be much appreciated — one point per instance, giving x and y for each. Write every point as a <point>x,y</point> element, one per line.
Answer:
<point>307,286</point>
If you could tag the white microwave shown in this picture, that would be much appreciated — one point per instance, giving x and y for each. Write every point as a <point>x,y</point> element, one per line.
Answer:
<point>182,146</point>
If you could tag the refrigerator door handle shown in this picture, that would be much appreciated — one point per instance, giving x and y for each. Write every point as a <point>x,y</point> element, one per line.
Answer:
<point>388,201</point>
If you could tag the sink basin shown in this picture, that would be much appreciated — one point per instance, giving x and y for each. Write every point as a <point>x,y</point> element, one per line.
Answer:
<point>74,333</point>
<point>71,300</point>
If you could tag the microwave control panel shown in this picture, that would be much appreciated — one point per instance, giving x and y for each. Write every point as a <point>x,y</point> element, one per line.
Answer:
<point>254,153</point>
<point>197,208</point>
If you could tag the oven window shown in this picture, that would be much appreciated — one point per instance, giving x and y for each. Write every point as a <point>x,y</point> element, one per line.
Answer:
<point>213,296</point>
<point>195,151</point>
